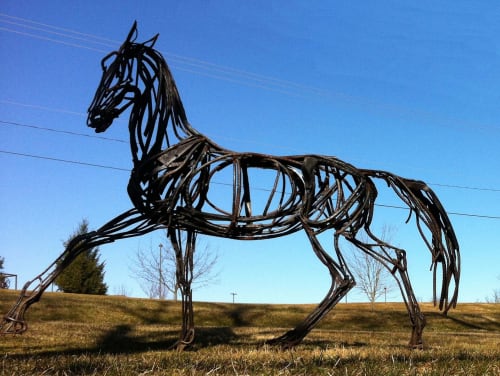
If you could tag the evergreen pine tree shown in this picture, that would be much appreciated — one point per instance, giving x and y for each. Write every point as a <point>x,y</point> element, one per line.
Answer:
<point>85,275</point>
<point>3,280</point>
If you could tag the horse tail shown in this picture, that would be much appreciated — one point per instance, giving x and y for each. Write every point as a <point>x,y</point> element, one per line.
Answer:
<point>442,241</point>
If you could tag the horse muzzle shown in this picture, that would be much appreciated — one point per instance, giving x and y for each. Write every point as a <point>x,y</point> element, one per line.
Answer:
<point>100,120</point>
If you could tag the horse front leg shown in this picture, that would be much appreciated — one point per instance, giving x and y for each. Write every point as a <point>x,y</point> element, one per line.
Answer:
<point>128,224</point>
<point>14,322</point>
<point>184,247</point>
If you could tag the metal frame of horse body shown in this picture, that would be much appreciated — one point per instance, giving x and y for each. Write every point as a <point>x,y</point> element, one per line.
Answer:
<point>171,186</point>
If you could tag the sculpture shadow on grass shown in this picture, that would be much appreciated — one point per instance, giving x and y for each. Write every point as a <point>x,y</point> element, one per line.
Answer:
<point>123,339</point>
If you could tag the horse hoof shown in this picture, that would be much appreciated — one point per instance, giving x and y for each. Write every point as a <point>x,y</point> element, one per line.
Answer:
<point>285,342</point>
<point>280,344</point>
<point>12,326</point>
<point>416,346</point>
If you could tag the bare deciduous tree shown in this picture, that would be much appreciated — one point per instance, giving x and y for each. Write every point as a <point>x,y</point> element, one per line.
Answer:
<point>4,282</point>
<point>156,269</point>
<point>495,296</point>
<point>372,278</point>
<point>121,290</point>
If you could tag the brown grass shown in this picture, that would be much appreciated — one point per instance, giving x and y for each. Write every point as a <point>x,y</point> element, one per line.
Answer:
<point>76,335</point>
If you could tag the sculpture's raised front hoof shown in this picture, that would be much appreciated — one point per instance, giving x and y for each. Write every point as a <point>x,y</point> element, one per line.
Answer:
<point>10,325</point>
<point>287,341</point>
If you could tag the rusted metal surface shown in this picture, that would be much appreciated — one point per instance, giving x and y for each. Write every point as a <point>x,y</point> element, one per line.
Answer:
<point>172,185</point>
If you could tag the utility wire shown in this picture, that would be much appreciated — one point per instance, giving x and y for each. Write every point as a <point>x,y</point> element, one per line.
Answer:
<point>193,62</point>
<point>449,213</point>
<point>18,21</point>
<point>44,108</point>
<point>63,160</point>
<point>3,122</point>
<point>37,127</point>
<point>483,216</point>
<point>26,20</point>
<point>465,187</point>
<point>85,39</point>
<point>227,73</point>
<point>221,72</point>
<point>52,39</point>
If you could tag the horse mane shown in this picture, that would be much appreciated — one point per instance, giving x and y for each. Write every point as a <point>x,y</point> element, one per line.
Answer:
<point>160,104</point>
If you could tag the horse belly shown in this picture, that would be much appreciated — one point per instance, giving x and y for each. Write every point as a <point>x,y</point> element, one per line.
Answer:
<point>244,200</point>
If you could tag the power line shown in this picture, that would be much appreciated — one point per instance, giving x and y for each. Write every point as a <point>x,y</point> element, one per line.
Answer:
<point>44,108</point>
<point>62,131</point>
<point>61,31</point>
<point>255,80</point>
<point>221,72</point>
<point>472,215</point>
<point>63,160</point>
<point>198,63</point>
<point>204,67</point>
<point>107,44</point>
<point>72,133</point>
<point>227,73</point>
<point>465,187</point>
<point>240,82</point>
<point>484,216</point>
<point>51,39</point>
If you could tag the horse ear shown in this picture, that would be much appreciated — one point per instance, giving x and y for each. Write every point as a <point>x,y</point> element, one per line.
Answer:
<point>132,35</point>
<point>151,42</point>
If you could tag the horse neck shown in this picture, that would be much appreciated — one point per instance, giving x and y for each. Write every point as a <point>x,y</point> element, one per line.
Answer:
<point>157,120</point>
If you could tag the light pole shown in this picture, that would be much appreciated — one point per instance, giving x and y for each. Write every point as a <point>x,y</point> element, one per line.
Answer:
<point>385,294</point>
<point>160,293</point>
<point>233,294</point>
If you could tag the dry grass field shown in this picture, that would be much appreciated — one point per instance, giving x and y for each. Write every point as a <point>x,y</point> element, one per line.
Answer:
<point>101,335</point>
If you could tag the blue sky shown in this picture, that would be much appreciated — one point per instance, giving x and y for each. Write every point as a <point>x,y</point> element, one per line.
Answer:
<point>407,87</point>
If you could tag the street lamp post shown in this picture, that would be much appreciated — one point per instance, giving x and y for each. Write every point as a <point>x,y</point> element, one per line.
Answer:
<point>160,292</point>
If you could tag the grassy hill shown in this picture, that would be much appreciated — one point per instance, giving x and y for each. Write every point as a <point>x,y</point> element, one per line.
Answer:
<point>83,334</point>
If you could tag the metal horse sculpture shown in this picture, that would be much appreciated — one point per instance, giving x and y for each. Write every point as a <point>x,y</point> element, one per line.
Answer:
<point>170,187</point>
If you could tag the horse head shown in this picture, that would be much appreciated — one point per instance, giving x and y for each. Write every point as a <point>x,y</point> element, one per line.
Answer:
<point>117,89</point>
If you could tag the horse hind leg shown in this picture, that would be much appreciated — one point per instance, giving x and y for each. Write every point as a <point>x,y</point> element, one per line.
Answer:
<point>342,282</point>
<point>417,318</point>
